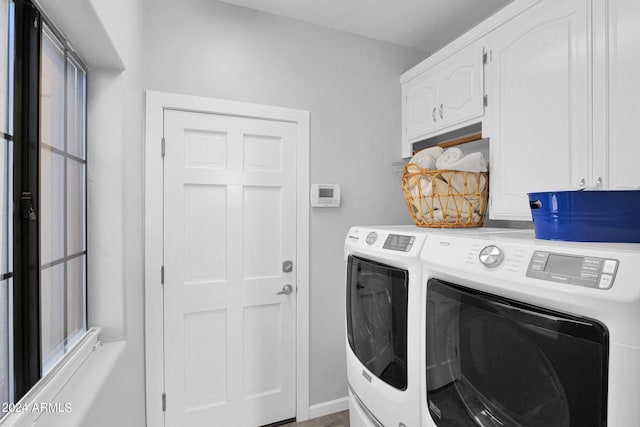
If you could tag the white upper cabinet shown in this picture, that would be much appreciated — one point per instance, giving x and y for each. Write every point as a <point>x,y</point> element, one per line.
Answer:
<point>538,114</point>
<point>461,89</point>
<point>444,97</point>
<point>562,87</point>
<point>617,93</point>
<point>420,107</point>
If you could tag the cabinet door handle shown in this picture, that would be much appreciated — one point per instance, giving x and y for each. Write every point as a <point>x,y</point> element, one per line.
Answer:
<point>433,114</point>
<point>441,110</point>
<point>599,183</point>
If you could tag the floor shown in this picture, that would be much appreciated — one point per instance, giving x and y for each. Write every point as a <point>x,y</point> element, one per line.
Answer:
<point>339,419</point>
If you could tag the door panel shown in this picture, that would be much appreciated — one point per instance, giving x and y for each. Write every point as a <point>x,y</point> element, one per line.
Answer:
<point>624,97</point>
<point>229,209</point>
<point>538,114</point>
<point>421,110</point>
<point>461,87</point>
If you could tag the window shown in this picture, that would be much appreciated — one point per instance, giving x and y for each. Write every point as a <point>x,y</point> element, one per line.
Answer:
<point>62,200</point>
<point>43,197</point>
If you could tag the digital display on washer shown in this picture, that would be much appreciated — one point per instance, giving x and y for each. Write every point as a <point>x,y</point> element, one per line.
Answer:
<point>588,271</point>
<point>397,242</point>
<point>563,264</point>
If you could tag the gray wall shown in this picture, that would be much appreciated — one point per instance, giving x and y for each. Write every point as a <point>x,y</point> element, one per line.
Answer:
<point>350,85</point>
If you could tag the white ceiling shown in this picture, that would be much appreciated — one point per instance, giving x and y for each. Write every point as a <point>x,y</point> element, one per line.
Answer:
<point>426,25</point>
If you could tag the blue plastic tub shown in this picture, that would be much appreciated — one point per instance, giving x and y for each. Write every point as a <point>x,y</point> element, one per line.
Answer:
<point>587,216</point>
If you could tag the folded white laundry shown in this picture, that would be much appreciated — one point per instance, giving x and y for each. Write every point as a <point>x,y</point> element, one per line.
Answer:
<point>454,159</point>
<point>436,194</point>
<point>426,158</point>
<point>474,183</point>
<point>449,156</point>
<point>427,185</point>
<point>412,176</point>
<point>438,217</point>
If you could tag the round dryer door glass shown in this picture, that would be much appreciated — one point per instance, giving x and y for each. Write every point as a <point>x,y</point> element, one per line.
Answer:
<point>497,362</point>
<point>511,379</point>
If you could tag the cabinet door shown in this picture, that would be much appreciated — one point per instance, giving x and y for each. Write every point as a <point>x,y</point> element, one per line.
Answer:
<point>618,161</point>
<point>420,105</point>
<point>538,111</point>
<point>460,87</point>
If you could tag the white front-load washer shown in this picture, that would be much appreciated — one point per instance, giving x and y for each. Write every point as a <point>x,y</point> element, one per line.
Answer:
<point>383,324</point>
<point>526,332</point>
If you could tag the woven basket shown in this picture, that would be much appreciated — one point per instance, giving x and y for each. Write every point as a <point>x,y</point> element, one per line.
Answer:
<point>445,198</point>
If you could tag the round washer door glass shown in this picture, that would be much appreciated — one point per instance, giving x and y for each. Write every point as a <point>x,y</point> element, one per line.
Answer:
<point>495,362</point>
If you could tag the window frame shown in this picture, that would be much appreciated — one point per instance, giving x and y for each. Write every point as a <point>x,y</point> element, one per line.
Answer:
<point>27,335</point>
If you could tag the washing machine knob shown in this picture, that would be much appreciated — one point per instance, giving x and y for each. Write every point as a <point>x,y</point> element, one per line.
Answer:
<point>491,256</point>
<point>371,238</point>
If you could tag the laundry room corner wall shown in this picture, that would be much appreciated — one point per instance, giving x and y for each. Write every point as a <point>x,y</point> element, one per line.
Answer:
<point>350,85</point>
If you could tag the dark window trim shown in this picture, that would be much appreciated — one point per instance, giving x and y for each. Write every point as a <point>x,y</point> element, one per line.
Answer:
<point>26,292</point>
<point>29,23</point>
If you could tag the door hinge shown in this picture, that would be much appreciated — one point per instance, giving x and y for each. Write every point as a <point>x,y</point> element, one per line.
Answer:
<point>486,100</point>
<point>162,275</point>
<point>162,146</point>
<point>164,402</point>
<point>484,57</point>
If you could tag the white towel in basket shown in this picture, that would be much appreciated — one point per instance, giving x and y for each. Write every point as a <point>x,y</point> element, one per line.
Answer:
<point>454,159</point>
<point>444,198</point>
<point>476,184</point>
<point>427,158</point>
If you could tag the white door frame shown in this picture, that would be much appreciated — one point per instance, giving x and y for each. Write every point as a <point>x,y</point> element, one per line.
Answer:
<point>156,104</point>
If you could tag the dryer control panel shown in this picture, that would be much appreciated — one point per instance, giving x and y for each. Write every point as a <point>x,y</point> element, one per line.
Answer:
<point>591,272</point>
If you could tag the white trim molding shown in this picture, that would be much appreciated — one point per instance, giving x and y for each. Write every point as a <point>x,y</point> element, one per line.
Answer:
<point>330,407</point>
<point>43,400</point>
<point>156,104</point>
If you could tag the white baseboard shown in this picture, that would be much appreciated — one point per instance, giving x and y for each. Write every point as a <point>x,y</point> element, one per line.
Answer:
<point>330,407</point>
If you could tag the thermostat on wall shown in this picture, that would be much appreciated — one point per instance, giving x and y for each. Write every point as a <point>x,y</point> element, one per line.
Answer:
<point>325,195</point>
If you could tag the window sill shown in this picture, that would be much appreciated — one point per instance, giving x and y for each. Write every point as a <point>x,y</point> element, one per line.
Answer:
<point>64,396</point>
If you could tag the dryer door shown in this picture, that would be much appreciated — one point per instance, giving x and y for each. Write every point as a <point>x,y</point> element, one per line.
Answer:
<point>377,318</point>
<point>497,362</point>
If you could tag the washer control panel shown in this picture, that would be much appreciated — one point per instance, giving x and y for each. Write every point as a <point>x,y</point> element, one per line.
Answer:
<point>491,256</point>
<point>591,272</point>
<point>393,242</point>
<point>397,242</point>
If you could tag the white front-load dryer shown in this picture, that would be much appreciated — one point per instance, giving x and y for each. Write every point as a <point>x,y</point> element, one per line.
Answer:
<point>383,284</point>
<point>527,332</point>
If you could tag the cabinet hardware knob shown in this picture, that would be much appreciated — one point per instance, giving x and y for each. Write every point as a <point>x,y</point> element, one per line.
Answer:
<point>441,110</point>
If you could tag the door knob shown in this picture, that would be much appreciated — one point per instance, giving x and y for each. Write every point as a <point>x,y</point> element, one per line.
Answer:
<point>286,290</point>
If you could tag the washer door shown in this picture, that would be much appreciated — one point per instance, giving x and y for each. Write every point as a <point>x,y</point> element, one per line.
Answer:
<point>496,362</point>
<point>377,318</point>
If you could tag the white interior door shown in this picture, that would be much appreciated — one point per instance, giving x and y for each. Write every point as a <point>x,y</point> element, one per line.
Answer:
<point>229,224</point>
